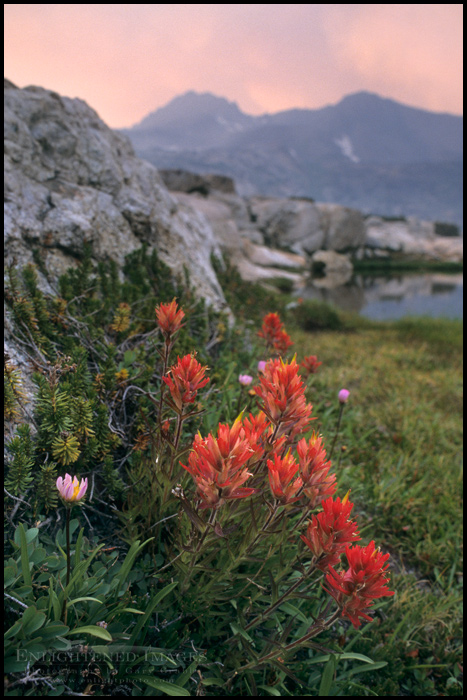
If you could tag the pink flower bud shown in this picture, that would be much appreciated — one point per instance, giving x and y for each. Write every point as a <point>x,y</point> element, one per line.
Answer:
<point>261,365</point>
<point>245,379</point>
<point>70,489</point>
<point>344,395</point>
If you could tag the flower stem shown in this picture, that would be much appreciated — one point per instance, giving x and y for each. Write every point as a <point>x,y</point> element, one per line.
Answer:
<point>319,626</point>
<point>68,560</point>
<point>165,363</point>
<point>341,410</point>
<point>211,521</point>
<point>280,600</point>
<point>178,432</point>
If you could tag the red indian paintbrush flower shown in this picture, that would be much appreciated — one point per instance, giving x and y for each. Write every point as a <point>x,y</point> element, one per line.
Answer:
<point>272,331</point>
<point>184,380</point>
<point>169,318</point>
<point>282,473</point>
<point>257,429</point>
<point>282,397</point>
<point>330,531</point>
<point>310,365</point>
<point>270,328</point>
<point>219,465</point>
<point>355,589</point>
<point>314,470</point>
<point>282,342</point>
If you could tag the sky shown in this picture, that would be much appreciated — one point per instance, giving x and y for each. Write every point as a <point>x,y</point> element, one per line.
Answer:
<point>126,61</point>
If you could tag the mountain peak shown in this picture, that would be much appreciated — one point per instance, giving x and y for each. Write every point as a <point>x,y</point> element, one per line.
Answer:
<point>367,151</point>
<point>191,106</point>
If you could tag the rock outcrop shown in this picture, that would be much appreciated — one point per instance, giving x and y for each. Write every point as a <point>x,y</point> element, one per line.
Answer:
<point>70,180</point>
<point>411,238</point>
<point>243,225</point>
<point>334,269</point>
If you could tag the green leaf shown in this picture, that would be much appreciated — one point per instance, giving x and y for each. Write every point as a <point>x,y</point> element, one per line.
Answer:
<point>153,656</point>
<point>78,545</point>
<point>60,643</point>
<point>29,534</point>
<point>327,677</point>
<point>344,656</point>
<point>128,562</point>
<point>78,573</point>
<point>28,615</point>
<point>212,681</point>
<point>33,622</point>
<point>12,665</point>
<point>363,668</point>
<point>159,684</point>
<point>94,630</point>
<point>38,555</point>
<point>10,575</point>
<point>292,610</point>
<point>78,600</point>
<point>129,357</point>
<point>184,677</point>
<point>268,688</point>
<point>54,602</point>
<point>143,621</point>
<point>24,555</point>
<point>236,629</point>
<point>14,629</point>
<point>152,604</point>
<point>54,629</point>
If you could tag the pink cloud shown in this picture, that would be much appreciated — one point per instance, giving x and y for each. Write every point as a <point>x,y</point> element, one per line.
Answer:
<point>127,60</point>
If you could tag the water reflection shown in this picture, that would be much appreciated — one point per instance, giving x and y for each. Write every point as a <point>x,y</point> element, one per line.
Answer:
<point>438,295</point>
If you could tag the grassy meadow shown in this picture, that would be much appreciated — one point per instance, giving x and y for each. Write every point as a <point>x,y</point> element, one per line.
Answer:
<point>399,450</point>
<point>142,574</point>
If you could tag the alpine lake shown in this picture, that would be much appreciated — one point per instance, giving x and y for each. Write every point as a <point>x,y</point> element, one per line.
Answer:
<point>394,296</point>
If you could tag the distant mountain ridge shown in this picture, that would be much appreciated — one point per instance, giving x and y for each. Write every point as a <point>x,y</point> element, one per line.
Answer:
<point>367,152</point>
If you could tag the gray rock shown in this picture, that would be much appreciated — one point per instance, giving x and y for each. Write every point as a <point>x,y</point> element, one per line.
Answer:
<point>262,255</point>
<point>336,269</point>
<point>229,219</point>
<point>287,223</point>
<point>184,181</point>
<point>412,238</point>
<point>252,272</point>
<point>343,227</point>
<point>70,180</point>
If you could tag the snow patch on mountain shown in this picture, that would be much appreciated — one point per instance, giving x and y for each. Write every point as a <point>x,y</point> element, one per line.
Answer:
<point>230,126</point>
<point>345,144</point>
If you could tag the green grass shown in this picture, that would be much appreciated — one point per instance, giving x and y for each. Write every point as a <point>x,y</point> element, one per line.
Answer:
<point>392,266</point>
<point>399,450</point>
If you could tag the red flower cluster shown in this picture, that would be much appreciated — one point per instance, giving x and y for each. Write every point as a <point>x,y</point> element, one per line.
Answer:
<point>274,334</point>
<point>184,380</point>
<point>282,397</point>
<point>219,465</point>
<point>169,318</point>
<point>314,470</point>
<point>282,473</point>
<point>355,589</point>
<point>257,429</point>
<point>329,532</point>
<point>310,365</point>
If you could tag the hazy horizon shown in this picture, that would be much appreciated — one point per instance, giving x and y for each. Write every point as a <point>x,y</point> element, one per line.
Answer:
<point>126,61</point>
<point>329,104</point>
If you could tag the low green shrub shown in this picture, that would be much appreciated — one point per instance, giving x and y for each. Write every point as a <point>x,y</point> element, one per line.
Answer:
<point>317,316</point>
<point>202,532</point>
